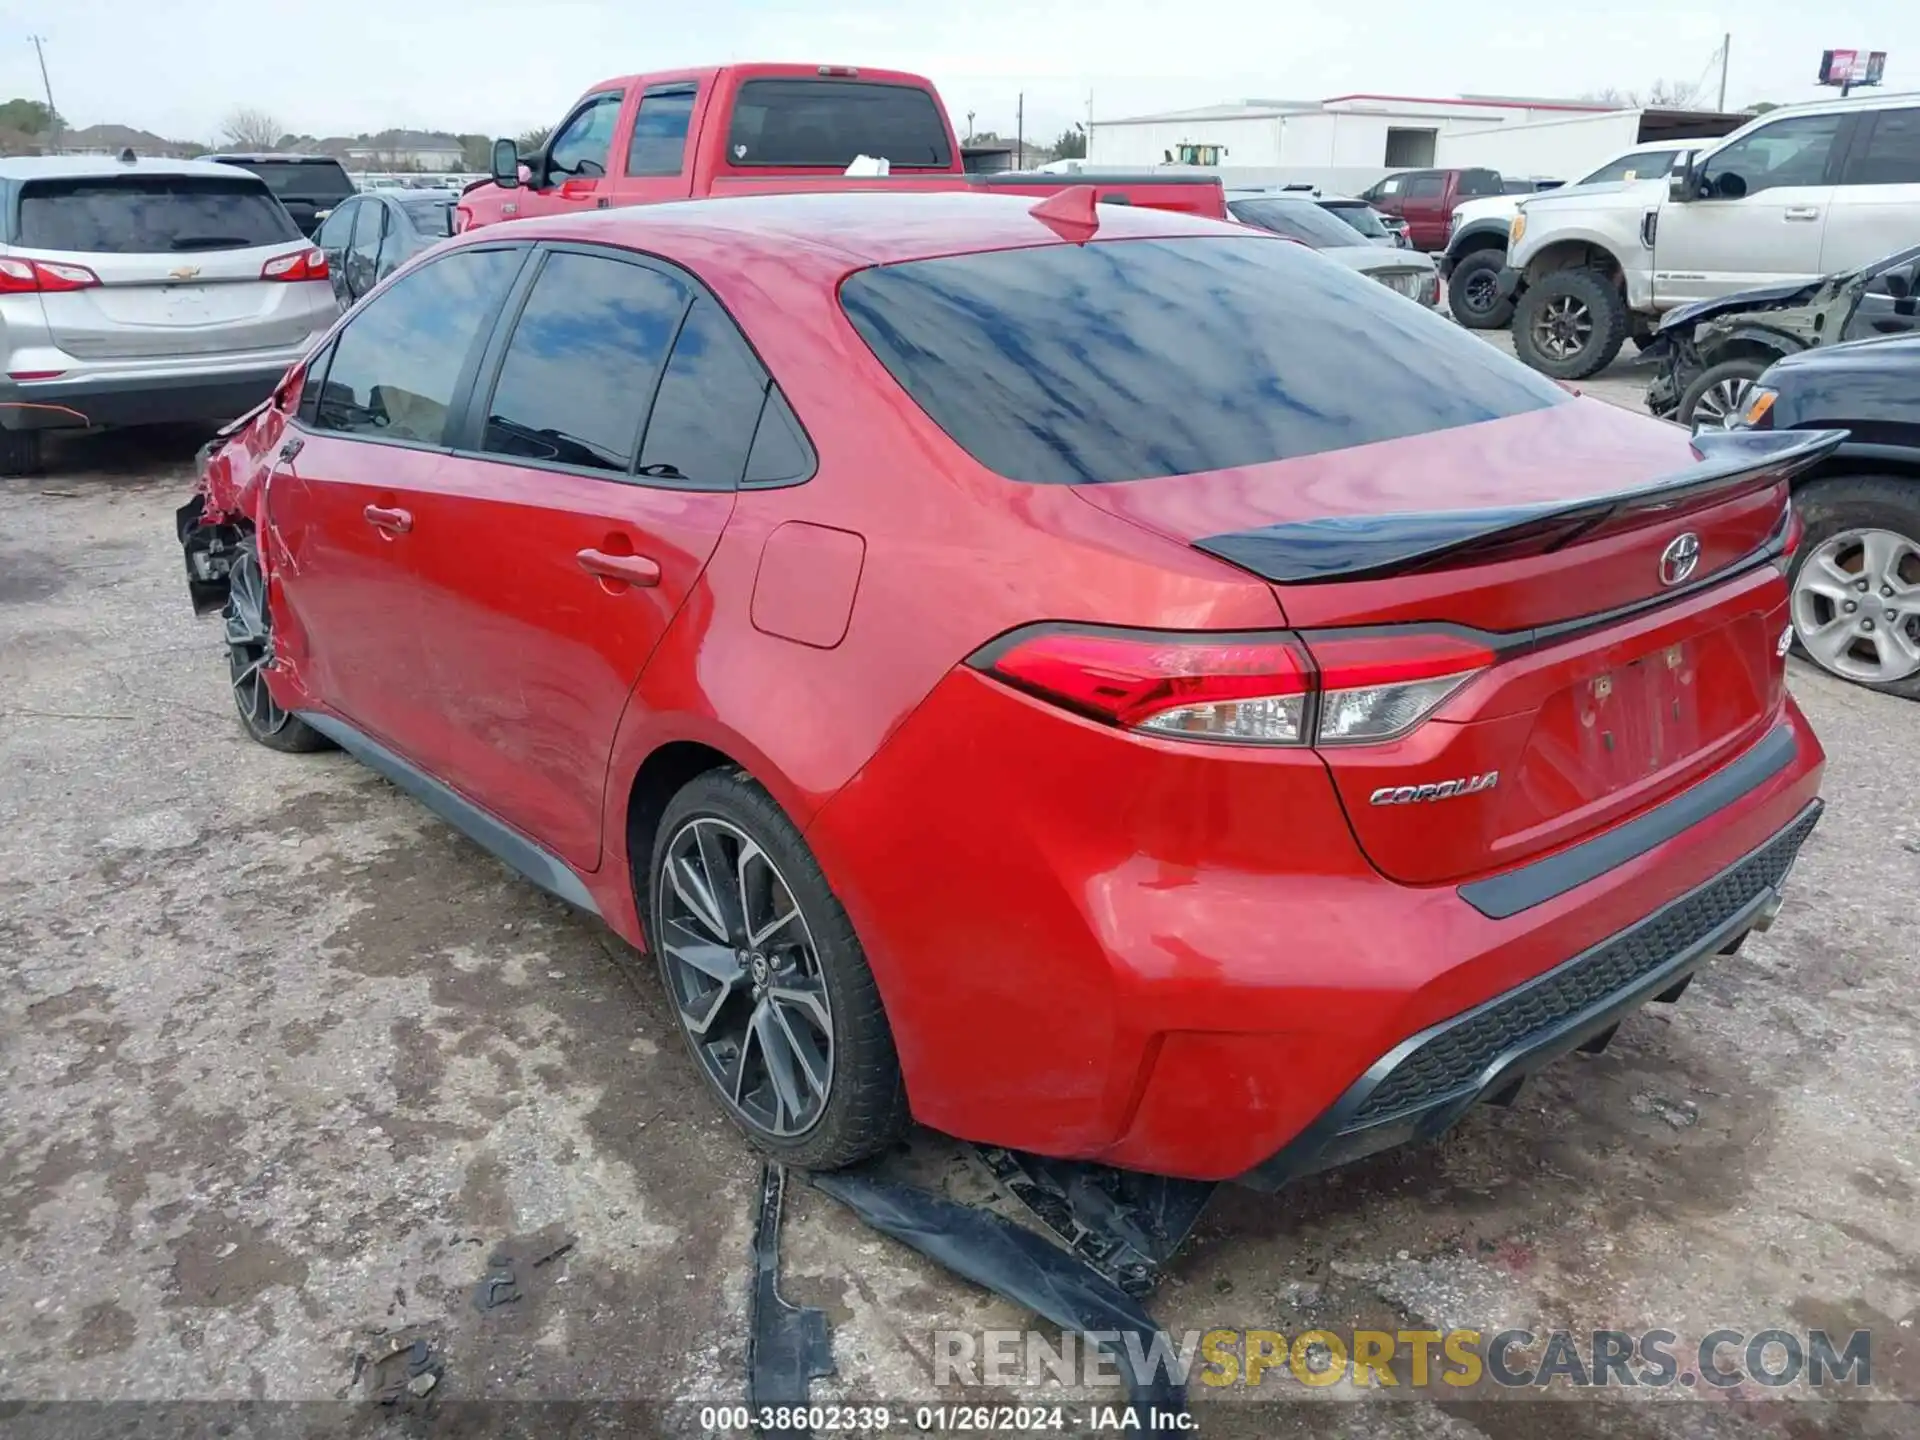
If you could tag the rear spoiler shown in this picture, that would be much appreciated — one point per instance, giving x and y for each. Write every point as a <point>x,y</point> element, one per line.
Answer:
<point>1368,547</point>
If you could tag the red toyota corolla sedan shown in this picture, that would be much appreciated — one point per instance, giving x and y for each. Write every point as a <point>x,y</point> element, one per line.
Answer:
<point>1096,681</point>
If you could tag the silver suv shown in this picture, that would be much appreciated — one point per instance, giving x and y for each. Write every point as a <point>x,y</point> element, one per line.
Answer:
<point>137,292</point>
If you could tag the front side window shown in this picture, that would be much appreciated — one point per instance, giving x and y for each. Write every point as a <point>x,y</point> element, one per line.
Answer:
<point>580,148</point>
<point>1125,359</point>
<point>1794,151</point>
<point>583,362</point>
<point>1481,182</point>
<point>1891,154</point>
<point>397,363</point>
<point>659,142</point>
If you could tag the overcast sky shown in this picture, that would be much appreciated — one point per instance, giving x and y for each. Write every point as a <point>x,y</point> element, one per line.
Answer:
<point>177,66</point>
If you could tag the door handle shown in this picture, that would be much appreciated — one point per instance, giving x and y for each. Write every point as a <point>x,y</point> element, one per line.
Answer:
<point>395,522</point>
<point>1803,212</point>
<point>629,569</point>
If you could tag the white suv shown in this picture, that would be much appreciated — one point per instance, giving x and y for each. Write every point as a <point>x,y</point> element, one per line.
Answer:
<point>1799,193</point>
<point>138,292</point>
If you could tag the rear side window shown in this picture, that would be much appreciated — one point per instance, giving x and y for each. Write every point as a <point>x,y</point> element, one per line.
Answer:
<point>659,143</point>
<point>1423,187</point>
<point>397,363</point>
<point>583,362</point>
<point>1082,364</point>
<point>829,122</point>
<point>703,421</point>
<point>151,214</point>
<point>1891,154</point>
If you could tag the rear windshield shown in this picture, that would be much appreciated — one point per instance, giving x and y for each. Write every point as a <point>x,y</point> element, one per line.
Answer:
<point>1299,219</point>
<point>1356,213</point>
<point>307,179</point>
<point>1082,364</point>
<point>830,122</point>
<point>151,214</point>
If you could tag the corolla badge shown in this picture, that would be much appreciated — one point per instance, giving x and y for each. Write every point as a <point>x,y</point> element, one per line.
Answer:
<point>1438,790</point>
<point>1680,557</point>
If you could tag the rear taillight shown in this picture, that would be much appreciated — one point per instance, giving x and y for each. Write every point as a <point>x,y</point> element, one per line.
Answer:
<point>22,277</point>
<point>1794,527</point>
<point>1378,687</point>
<point>300,265</point>
<point>1260,689</point>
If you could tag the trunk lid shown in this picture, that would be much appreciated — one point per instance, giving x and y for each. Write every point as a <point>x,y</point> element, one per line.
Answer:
<point>1551,540</point>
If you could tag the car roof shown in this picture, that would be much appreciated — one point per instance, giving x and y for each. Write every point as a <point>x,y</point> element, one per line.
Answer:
<point>262,157</point>
<point>842,230</point>
<point>63,167</point>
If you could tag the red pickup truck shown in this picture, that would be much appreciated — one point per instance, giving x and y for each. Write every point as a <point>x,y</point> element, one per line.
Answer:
<point>738,129</point>
<point>1425,199</point>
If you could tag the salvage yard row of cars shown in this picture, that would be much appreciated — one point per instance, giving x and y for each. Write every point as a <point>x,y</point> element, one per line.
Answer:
<point>877,543</point>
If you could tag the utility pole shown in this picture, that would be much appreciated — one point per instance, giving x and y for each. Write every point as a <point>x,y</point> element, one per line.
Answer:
<point>1726,49</point>
<point>53,115</point>
<point>969,139</point>
<point>1020,132</point>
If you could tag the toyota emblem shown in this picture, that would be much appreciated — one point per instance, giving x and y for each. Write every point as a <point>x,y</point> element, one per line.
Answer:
<point>1679,558</point>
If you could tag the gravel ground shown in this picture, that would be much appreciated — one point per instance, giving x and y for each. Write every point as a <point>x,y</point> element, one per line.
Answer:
<point>287,1067</point>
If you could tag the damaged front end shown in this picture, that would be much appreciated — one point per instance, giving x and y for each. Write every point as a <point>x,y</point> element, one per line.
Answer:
<point>230,478</point>
<point>1764,324</point>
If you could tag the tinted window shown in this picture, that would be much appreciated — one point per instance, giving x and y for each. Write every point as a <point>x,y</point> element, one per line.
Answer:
<point>308,179</point>
<point>703,421</point>
<point>1086,363</point>
<point>151,214</point>
<point>583,362</point>
<point>397,362</point>
<point>1788,152</point>
<point>829,122</point>
<point>659,142</point>
<point>780,450</point>
<point>1424,187</point>
<point>1361,217</point>
<point>1299,219</point>
<point>431,217</point>
<point>582,144</point>
<point>337,229</point>
<point>1647,165</point>
<point>1892,152</point>
<point>1481,182</point>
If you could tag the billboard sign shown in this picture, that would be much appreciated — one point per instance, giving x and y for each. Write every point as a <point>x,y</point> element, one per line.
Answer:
<point>1852,67</point>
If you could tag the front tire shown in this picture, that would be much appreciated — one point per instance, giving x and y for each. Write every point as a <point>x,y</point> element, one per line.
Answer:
<point>1718,395</point>
<point>768,980</point>
<point>1473,291</point>
<point>1861,550</point>
<point>248,623</point>
<point>1570,324</point>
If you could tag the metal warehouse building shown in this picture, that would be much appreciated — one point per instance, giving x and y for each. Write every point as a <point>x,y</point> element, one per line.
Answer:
<point>1348,141</point>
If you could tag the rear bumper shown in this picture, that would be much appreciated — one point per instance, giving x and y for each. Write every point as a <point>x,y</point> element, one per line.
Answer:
<point>91,400</point>
<point>1096,946</point>
<point>1423,1085</point>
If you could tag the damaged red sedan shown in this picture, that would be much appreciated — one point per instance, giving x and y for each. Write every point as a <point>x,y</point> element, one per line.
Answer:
<point>1092,680</point>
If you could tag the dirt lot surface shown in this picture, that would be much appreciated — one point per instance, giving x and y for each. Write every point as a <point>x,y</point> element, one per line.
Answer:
<point>287,1067</point>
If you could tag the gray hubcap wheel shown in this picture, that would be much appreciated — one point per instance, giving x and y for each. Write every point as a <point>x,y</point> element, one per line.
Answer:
<point>1563,327</point>
<point>1856,605</point>
<point>745,977</point>
<point>1720,402</point>
<point>249,635</point>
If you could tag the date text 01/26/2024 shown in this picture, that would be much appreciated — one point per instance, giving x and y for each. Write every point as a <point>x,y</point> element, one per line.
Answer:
<point>942,1419</point>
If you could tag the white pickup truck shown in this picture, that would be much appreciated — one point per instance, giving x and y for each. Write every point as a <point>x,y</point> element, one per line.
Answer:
<point>1799,193</point>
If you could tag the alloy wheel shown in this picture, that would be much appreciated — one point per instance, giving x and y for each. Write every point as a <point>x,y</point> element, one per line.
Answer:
<point>746,977</point>
<point>1856,605</point>
<point>1563,327</point>
<point>1481,293</point>
<point>1720,403</point>
<point>249,635</point>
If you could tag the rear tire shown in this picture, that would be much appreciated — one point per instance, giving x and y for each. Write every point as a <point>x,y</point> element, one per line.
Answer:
<point>248,622</point>
<point>1570,324</point>
<point>1852,522</point>
<point>1473,291</point>
<point>758,1000</point>
<point>1718,394</point>
<point>19,452</point>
